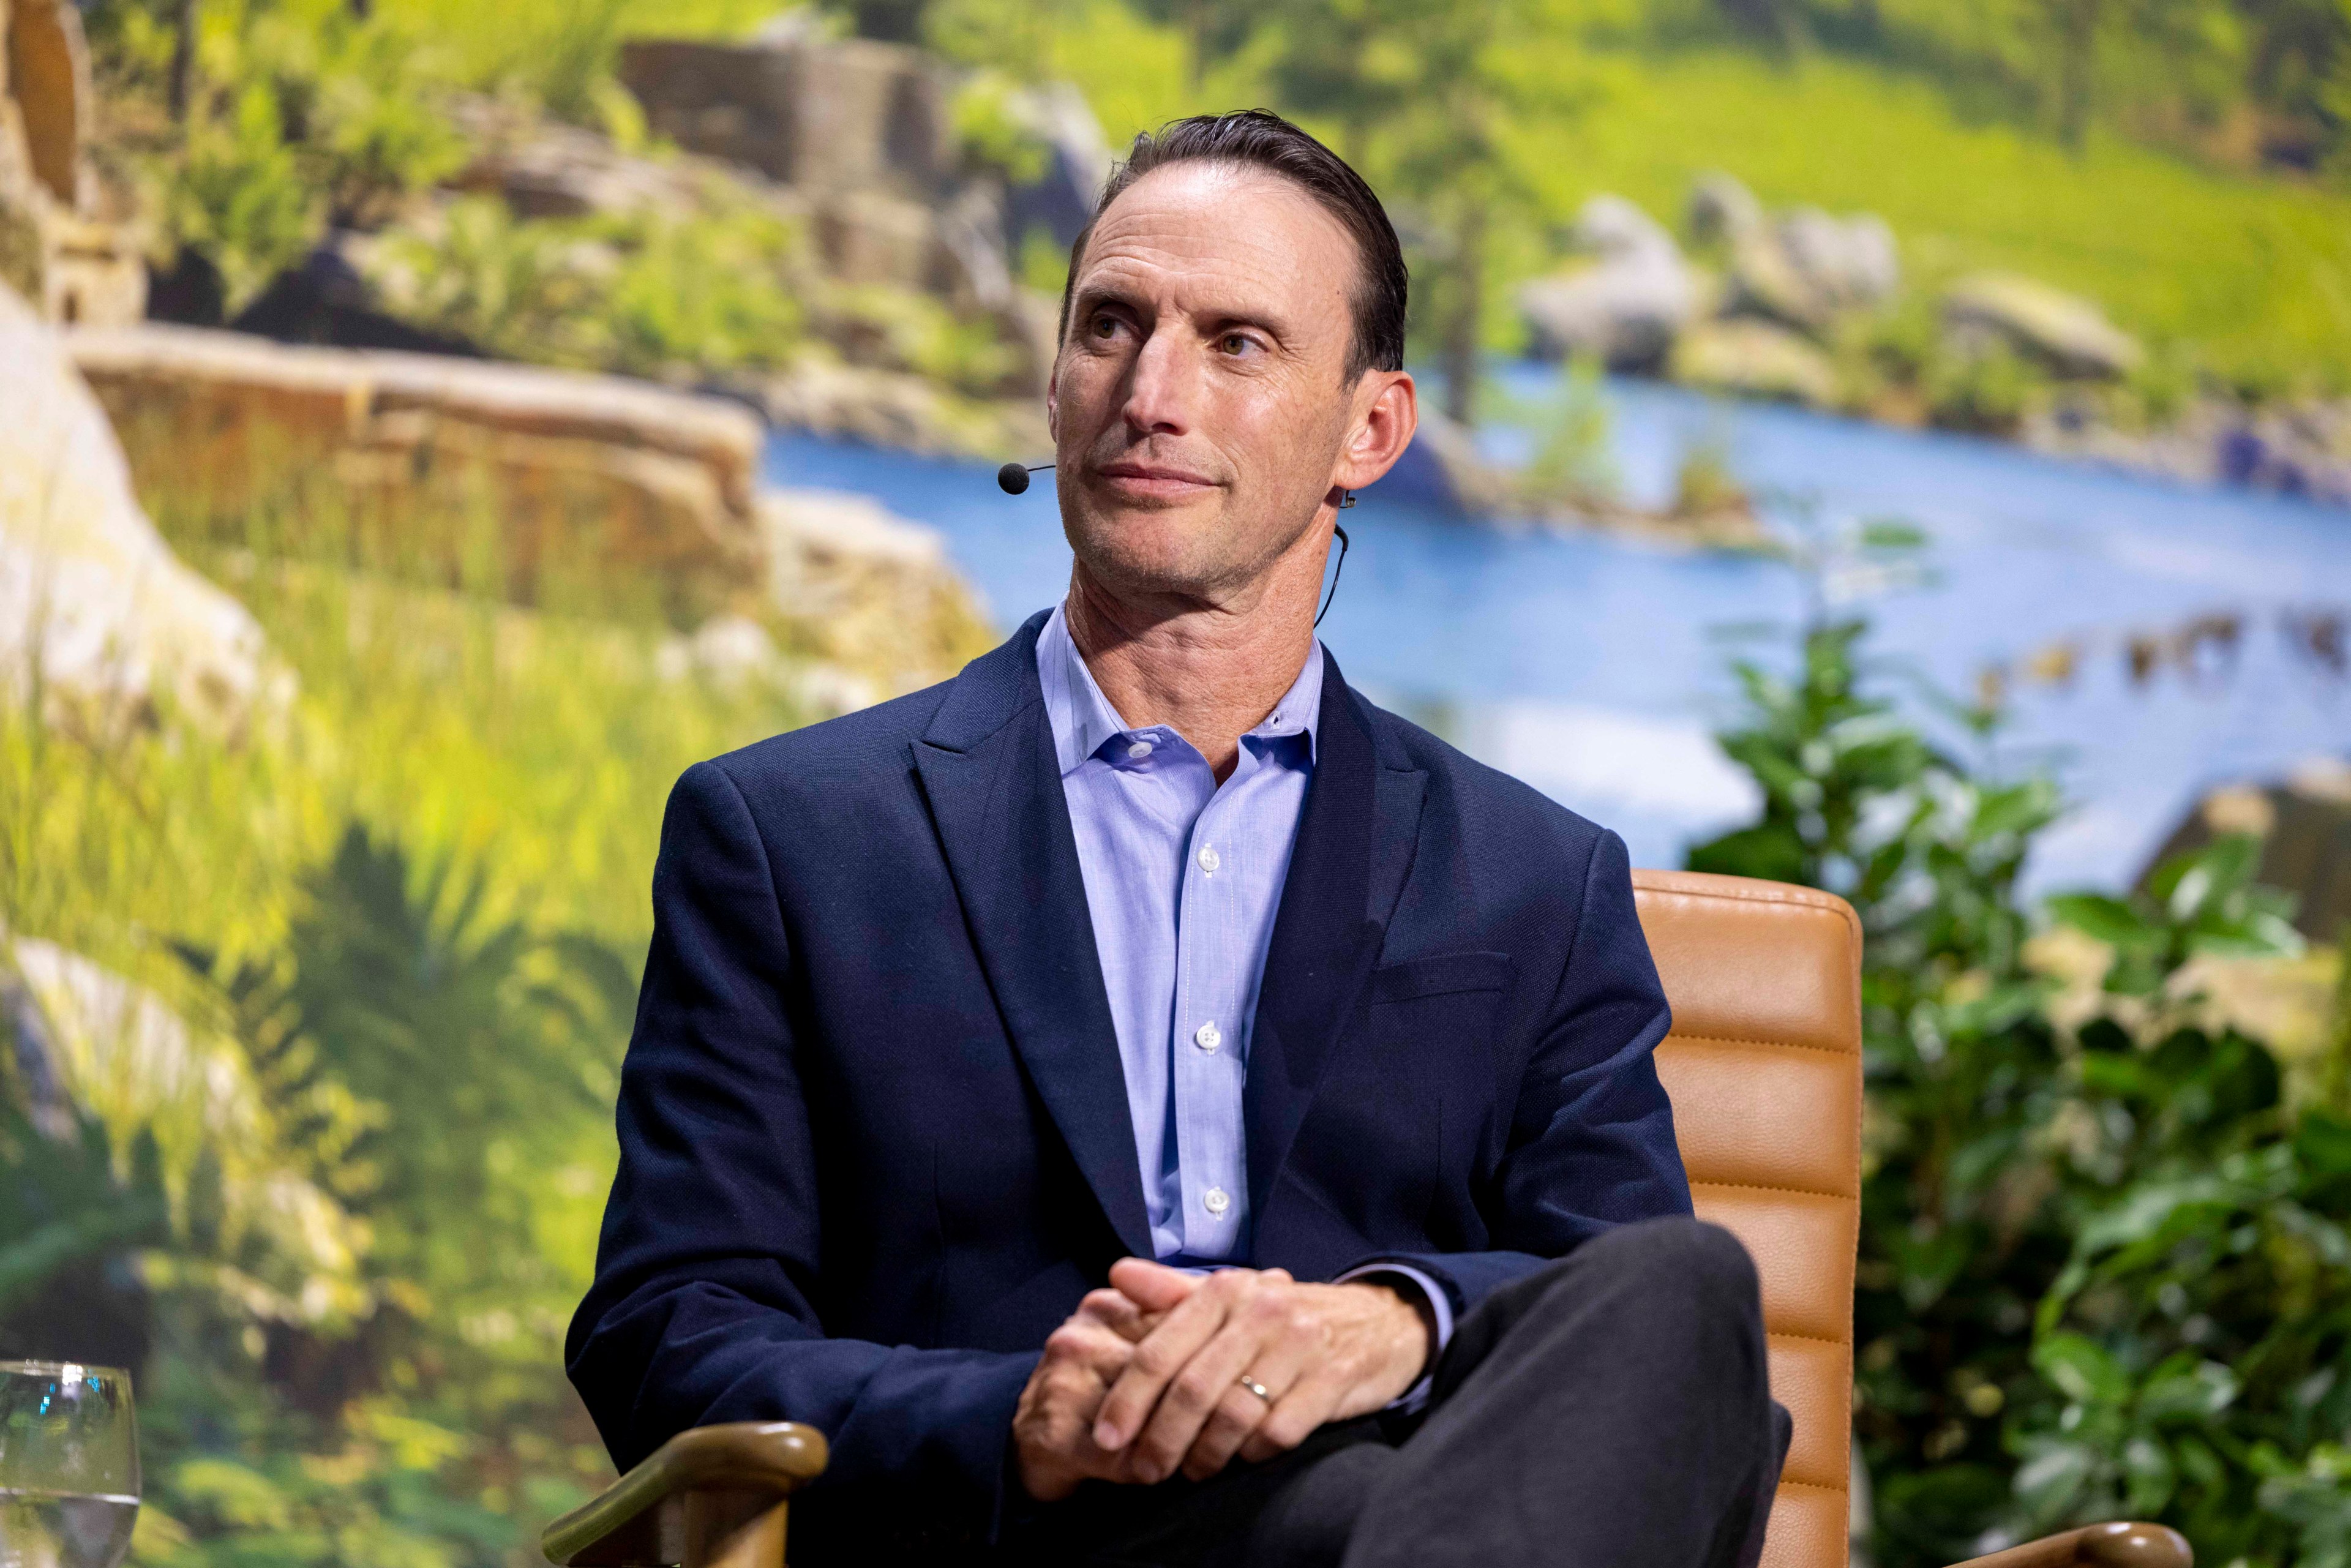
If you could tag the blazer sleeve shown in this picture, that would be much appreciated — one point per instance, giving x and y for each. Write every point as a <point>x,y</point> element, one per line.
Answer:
<point>706,1303</point>
<point>1591,1142</point>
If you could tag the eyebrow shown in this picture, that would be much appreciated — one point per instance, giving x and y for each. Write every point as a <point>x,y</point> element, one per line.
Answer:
<point>1093,296</point>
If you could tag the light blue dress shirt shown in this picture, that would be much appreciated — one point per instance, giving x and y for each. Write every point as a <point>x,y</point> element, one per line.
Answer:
<point>1182,879</point>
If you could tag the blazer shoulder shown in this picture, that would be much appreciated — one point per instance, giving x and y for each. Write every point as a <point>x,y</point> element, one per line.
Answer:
<point>854,752</point>
<point>1488,803</point>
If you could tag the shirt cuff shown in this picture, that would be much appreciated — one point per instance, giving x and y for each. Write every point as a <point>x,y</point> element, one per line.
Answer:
<point>1440,1311</point>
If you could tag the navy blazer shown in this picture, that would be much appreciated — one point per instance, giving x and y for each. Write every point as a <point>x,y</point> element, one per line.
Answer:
<point>874,1139</point>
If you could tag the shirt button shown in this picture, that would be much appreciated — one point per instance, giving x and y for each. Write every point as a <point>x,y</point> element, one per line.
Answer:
<point>1216,1201</point>
<point>1209,859</point>
<point>1208,1037</point>
<point>1139,750</point>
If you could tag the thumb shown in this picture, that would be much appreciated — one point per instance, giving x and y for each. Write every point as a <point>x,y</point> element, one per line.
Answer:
<point>1154,1287</point>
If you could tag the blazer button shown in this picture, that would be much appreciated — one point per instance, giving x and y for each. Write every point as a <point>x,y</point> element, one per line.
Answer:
<point>1216,1200</point>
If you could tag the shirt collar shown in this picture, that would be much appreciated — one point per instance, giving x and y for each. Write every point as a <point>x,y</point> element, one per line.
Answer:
<point>1083,720</point>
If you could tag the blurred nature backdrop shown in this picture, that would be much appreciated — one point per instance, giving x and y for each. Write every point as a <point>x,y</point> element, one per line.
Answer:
<point>1898,446</point>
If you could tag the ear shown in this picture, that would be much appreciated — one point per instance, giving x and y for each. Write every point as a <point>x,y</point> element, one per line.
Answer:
<point>1387,413</point>
<point>1053,402</point>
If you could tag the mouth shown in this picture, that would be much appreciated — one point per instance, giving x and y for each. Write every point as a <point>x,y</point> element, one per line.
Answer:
<point>1142,481</point>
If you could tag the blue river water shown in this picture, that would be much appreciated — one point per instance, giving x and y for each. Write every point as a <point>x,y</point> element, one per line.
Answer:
<point>1596,667</point>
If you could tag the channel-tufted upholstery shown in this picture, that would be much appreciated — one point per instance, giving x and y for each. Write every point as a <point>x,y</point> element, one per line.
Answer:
<point>1765,1069</point>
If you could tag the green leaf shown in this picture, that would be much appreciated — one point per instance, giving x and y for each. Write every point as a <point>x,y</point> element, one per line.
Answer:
<point>2109,920</point>
<point>2081,1370</point>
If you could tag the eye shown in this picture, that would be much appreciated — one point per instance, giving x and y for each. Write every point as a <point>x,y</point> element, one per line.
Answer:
<point>1235,344</point>
<point>1104,325</point>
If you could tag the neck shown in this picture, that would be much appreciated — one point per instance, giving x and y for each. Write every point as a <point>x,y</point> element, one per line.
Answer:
<point>1210,671</point>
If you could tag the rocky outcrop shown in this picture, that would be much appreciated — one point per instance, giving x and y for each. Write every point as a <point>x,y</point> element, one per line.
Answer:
<point>846,114</point>
<point>1803,268</point>
<point>852,237</point>
<point>579,490</point>
<point>96,615</point>
<point>1627,305</point>
<point>891,408</point>
<point>61,247</point>
<point>579,479</point>
<point>1748,358</point>
<point>874,592</point>
<point>2303,821</point>
<point>2068,334</point>
<point>861,136</point>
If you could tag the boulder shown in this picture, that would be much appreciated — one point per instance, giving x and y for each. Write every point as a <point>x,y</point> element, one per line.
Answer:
<point>1626,305</point>
<point>594,479</point>
<point>96,612</point>
<point>873,592</point>
<point>1849,263</point>
<point>1723,211</point>
<point>543,169</point>
<point>2068,334</point>
<point>1748,358</point>
<point>1808,267</point>
<point>895,409</point>
<point>847,114</point>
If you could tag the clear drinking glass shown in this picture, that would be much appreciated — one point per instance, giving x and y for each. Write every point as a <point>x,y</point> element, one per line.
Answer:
<point>69,1465</point>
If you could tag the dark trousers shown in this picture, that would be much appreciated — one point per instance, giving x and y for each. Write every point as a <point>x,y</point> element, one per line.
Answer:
<point>1611,1409</point>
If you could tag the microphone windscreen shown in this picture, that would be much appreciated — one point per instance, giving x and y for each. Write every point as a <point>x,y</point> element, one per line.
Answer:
<point>1013,477</point>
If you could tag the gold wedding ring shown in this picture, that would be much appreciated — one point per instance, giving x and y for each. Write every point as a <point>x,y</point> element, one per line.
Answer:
<point>1260,1389</point>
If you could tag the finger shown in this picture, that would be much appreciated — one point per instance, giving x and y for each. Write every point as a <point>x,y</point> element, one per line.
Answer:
<point>1117,1313</point>
<point>1154,1287</point>
<point>1235,1419</point>
<point>1200,1390</point>
<point>1090,1349</point>
<point>1289,1338</point>
<point>1311,1403</point>
<point>1164,1353</point>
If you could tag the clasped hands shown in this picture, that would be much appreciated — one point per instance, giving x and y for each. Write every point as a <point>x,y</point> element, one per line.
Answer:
<point>1146,1377</point>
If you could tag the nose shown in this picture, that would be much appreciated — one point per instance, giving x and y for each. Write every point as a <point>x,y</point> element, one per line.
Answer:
<point>1162,383</point>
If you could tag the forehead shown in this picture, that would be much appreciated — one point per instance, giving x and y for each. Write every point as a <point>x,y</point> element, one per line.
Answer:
<point>1235,238</point>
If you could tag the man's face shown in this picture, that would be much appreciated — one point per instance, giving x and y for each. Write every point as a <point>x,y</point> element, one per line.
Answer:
<point>1200,403</point>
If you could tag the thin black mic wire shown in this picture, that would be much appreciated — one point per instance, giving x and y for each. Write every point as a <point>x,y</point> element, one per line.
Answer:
<point>1013,478</point>
<point>1342,567</point>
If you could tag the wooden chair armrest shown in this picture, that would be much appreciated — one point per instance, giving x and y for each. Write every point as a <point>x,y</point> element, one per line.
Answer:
<point>711,1498</point>
<point>2120,1545</point>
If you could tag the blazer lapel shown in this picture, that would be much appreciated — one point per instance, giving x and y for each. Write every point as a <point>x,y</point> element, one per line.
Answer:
<point>1355,841</point>
<point>989,770</point>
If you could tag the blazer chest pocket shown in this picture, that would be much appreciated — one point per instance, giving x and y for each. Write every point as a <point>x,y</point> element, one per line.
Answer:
<point>1461,976</point>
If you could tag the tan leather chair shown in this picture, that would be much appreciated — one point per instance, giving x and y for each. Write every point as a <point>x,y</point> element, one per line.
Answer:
<point>1765,1069</point>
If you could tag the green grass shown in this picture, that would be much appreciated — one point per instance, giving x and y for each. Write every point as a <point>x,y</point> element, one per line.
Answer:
<point>540,746</point>
<point>2255,273</point>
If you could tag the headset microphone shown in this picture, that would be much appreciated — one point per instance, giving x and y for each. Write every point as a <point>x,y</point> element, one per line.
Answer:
<point>1013,479</point>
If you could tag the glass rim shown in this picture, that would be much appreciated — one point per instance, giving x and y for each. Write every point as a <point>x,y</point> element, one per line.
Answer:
<point>64,1369</point>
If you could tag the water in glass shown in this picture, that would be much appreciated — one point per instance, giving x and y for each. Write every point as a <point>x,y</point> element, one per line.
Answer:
<point>69,1465</point>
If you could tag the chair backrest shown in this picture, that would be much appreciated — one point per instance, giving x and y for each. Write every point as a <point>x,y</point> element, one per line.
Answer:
<point>1764,1070</point>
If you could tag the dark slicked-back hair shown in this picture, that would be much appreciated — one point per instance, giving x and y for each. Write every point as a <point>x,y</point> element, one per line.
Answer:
<point>1260,138</point>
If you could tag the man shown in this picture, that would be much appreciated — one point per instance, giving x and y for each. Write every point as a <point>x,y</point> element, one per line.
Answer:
<point>1142,1102</point>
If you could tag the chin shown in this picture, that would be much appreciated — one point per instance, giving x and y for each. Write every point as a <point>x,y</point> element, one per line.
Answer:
<point>1159,549</point>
